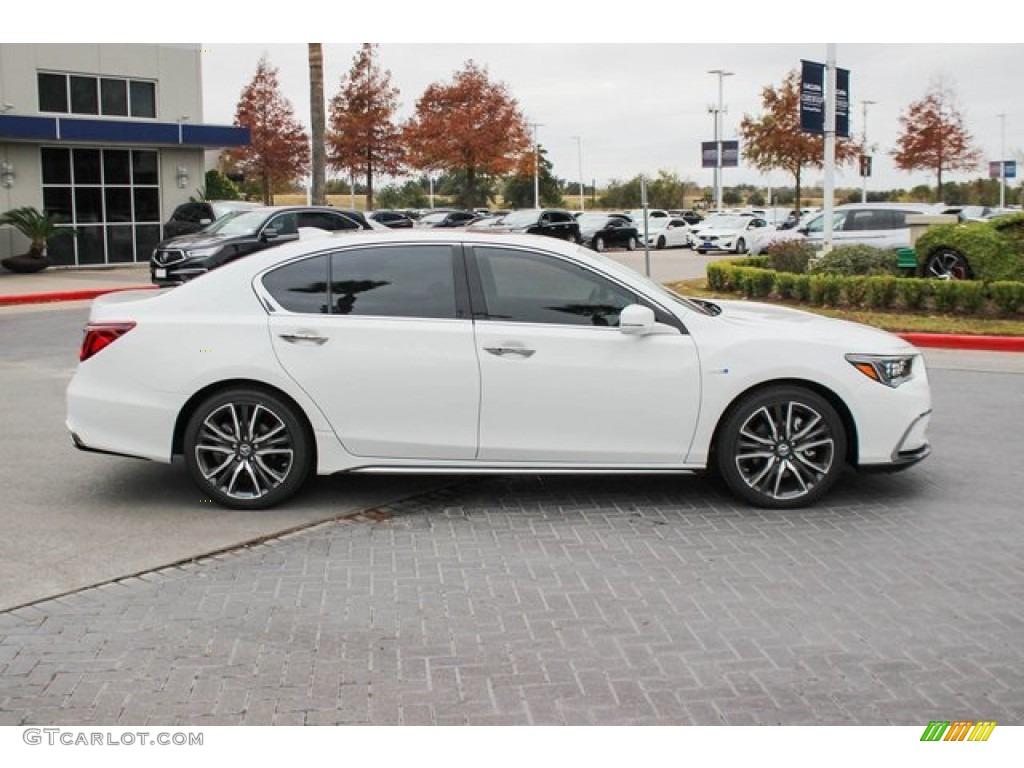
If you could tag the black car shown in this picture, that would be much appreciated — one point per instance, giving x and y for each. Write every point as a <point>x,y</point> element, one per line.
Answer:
<point>179,259</point>
<point>195,215</point>
<point>601,230</point>
<point>551,222</point>
<point>391,219</point>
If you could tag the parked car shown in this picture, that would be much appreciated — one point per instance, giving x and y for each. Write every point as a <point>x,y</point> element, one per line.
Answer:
<point>447,218</point>
<point>601,230</point>
<point>550,222</point>
<point>330,357</point>
<point>195,215</point>
<point>988,250</point>
<point>727,233</point>
<point>712,218</point>
<point>672,232</point>
<point>238,234</point>
<point>391,219</point>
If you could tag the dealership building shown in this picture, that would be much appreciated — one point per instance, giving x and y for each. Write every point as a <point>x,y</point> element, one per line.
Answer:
<point>109,137</point>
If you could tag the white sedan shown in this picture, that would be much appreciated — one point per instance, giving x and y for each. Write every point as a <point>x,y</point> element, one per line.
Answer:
<point>454,352</point>
<point>727,233</point>
<point>667,232</point>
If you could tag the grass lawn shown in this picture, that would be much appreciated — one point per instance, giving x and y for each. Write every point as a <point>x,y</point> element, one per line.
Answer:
<point>896,322</point>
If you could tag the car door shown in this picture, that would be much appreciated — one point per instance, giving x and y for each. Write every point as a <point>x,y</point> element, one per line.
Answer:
<point>560,382</point>
<point>378,339</point>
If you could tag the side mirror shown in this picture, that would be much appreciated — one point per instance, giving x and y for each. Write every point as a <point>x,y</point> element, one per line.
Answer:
<point>636,320</point>
<point>270,233</point>
<point>205,222</point>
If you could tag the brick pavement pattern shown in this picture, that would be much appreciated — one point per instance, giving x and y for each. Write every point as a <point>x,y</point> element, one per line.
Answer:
<point>560,600</point>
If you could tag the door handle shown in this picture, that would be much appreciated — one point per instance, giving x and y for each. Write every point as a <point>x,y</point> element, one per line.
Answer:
<point>299,338</point>
<point>502,351</point>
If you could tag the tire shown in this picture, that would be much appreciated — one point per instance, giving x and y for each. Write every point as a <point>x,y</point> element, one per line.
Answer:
<point>741,246</point>
<point>598,244</point>
<point>947,264</point>
<point>660,245</point>
<point>701,251</point>
<point>781,448</point>
<point>631,244</point>
<point>247,449</point>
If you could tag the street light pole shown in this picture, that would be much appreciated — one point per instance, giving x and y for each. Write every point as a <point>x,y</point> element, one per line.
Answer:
<point>864,150</point>
<point>579,158</point>
<point>1002,161</point>
<point>718,135</point>
<point>536,166</point>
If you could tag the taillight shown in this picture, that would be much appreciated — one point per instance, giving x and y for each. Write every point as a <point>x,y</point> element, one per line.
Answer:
<point>100,335</point>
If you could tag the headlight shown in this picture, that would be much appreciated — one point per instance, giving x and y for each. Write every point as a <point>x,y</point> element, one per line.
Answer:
<point>891,370</point>
<point>198,253</point>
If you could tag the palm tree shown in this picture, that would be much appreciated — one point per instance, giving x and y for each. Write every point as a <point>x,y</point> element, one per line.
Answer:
<point>38,226</point>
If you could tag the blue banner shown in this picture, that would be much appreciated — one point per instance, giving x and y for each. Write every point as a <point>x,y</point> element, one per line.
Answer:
<point>843,103</point>
<point>812,97</point>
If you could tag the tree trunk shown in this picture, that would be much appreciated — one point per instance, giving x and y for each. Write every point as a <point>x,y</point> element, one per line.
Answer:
<point>318,123</point>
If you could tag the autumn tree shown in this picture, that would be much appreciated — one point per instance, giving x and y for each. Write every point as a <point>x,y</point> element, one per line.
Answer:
<point>933,137</point>
<point>471,125</point>
<point>363,139</point>
<point>775,141</point>
<point>279,150</point>
<point>317,120</point>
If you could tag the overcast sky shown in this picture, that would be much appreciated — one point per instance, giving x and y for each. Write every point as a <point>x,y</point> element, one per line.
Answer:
<point>630,80</point>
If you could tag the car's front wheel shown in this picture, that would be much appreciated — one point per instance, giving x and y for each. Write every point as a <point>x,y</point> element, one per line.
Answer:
<point>247,449</point>
<point>741,246</point>
<point>947,264</point>
<point>781,447</point>
<point>661,242</point>
<point>631,244</point>
<point>598,244</point>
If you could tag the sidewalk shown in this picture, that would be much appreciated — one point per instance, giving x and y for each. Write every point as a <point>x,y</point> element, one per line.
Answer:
<point>62,284</point>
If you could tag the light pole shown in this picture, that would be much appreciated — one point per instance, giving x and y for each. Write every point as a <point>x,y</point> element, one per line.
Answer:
<point>722,74</point>
<point>536,166</point>
<point>1002,161</point>
<point>864,142</point>
<point>579,158</point>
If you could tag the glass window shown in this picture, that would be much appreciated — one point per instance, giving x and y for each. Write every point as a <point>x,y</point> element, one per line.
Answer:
<point>90,245</point>
<point>144,167</point>
<point>300,286</point>
<point>84,98</point>
<point>120,248</point>
<point>147,204</point>
<point>88,204</point>
<point>143,99</point>
<point>56,165</point>
<point>114,96</point>
<point>532,288</point>
<point>117,166</point>
<point>53,93</point>
<point>146,238</point>
<point>285,224</point>
<point>326,221</point>
<point>398,281</point>
<point>57,200</point>
<point>87,166</point>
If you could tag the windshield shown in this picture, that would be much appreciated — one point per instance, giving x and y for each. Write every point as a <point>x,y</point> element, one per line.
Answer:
<point>595,220</point>
<point>668,296</point>
<point>520,218</point>
<point>728,222</point>
<point>240,223</point>
<point>433,218</point>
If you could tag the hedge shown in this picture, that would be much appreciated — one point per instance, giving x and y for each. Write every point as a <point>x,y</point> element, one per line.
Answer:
<point>750,278</point>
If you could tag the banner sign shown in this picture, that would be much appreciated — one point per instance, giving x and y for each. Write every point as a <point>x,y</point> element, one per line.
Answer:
<point>812,99</point>
<point>1009,169</point>
<point>709,154</point>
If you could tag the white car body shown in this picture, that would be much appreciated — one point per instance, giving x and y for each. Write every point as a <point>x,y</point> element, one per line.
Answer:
<point>727,233</point>
<point>380,393</point>
<point>670,232</point>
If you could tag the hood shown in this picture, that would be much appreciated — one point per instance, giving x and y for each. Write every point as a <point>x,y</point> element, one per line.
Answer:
<point>197,240</point>
<point>770,319</point>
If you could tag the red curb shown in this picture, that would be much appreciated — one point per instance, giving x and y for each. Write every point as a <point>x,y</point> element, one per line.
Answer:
<point>961,341</point>
<point>45,298</point>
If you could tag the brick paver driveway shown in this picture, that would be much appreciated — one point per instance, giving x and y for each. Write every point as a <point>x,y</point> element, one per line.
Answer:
<point>628,600</point>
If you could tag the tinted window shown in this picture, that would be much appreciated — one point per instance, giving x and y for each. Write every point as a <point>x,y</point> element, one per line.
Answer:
<point>114,96</point>
<point>326,221</point>
<point>532,288</point>
<point>53,93</point>
<point>84,99</point>
<point>143,96</point>
<point>300,286</point>
<point>399,281</point>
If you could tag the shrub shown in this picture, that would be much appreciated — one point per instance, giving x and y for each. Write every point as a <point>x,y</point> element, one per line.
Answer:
<point>913,292</point>
<point>854,289</point>
<point>785,285</point>
<point>855,260</point>
<point>880,291</point>
<point>994,250</point>
<point>1007,296</point>
<point>946,295</point>
<point>755,283</point>
<point>802,287</point>
<point>790,256</point>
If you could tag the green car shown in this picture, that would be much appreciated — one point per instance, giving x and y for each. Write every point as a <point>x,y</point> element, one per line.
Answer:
<point>987,250</point>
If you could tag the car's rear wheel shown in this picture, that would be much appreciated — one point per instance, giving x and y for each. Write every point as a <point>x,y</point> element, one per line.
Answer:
<point>781,447</point>
<point>247,449</point>
<point>947,264</point>
<point>631,244</point>
<point>598,243</point>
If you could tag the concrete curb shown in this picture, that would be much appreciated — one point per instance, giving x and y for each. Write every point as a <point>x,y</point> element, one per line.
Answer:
<point>935,340</point>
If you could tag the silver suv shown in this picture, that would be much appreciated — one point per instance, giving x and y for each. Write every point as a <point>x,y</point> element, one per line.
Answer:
<point>883,225</point>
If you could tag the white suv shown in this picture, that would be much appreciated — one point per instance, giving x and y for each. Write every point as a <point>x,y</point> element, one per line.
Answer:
<point>883,225</point>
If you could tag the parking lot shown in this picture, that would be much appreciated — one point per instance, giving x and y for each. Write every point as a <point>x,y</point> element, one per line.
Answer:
<point>511,600</point>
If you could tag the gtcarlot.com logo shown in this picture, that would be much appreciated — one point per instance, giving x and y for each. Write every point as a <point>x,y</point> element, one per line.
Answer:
<point>958,730</point>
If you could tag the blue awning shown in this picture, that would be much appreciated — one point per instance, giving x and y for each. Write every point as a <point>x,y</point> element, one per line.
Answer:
<point>137,132</point>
